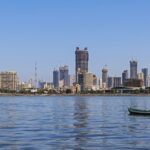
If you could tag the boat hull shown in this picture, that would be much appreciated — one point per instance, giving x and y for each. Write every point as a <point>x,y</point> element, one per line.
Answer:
<point>134,111</point>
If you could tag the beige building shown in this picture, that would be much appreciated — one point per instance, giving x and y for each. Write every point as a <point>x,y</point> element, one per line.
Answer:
<point>141,76</point>
<point>8,80</point>
<point>88,81</point>
<point>149,81</point>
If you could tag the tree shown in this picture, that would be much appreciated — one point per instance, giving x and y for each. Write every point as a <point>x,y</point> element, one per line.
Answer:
<point>68,91</point>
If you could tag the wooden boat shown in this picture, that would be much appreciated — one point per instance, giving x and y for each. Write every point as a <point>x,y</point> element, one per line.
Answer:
<point>134,111</point>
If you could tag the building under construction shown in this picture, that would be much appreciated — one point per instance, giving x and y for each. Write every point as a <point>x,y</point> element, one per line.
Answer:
<point>81,61</point>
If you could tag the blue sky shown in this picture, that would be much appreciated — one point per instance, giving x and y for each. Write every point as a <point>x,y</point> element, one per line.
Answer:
<point>48,31</point>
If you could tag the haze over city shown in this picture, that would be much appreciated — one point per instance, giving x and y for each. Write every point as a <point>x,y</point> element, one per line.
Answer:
<point>47,32</point>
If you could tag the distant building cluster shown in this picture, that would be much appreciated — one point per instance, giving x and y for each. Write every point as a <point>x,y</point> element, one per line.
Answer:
<point>61,77</point>
<point>83,79</point>
<point>136,80</point>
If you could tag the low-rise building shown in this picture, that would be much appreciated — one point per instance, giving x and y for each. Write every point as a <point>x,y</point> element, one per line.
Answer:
<point>134,83</point>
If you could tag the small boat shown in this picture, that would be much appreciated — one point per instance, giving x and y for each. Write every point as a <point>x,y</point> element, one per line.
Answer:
<point>135,111</point>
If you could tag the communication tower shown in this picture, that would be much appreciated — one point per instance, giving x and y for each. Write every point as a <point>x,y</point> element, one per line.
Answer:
<point>35,75</point>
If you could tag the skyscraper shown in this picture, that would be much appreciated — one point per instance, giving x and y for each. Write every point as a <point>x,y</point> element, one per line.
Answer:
<point>64,75</point>
<point>110,82</point>
<point>117,82</point>
<point>81,80</point>
<point>71,80</point>
<point>141,76</point>
<point>145,73</point>
<point>124,76</point>
<point>133,69</point>
<point>94,80</point>
<point>81,61</point>
<point>56,78</point>
<point>104,75</point>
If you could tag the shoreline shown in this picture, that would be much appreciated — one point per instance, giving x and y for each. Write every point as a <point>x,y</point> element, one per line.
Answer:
<point>84,95</point>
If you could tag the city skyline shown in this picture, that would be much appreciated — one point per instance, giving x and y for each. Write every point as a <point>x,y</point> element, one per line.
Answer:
<point>100,75</point>
<point>47,33</point>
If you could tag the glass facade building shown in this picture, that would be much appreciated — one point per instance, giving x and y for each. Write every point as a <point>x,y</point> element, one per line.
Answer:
<point>56,78</point>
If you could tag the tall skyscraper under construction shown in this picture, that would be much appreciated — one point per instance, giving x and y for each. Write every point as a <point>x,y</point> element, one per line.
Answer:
<point>81,61</point>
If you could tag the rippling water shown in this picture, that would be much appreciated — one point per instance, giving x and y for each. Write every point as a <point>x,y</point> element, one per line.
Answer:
<point>44,123</point>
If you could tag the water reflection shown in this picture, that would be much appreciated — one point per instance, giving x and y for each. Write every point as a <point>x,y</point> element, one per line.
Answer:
<point>73,123</point>
<point>81,121</point>
<point>8,119</point>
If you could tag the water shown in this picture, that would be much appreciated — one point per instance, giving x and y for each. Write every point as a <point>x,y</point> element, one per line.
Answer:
<point>78,123</point>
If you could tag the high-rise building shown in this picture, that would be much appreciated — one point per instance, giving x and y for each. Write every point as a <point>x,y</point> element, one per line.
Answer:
<point>145,73</point>
<point>148,81</point>
<point>117,82</point>
<point>95,85</point>
<point>94,80</point>
<point>71,80</point>
<point>141,76</point>
<point>104,75</point>
<point>124,76</point>
<point>81,80</point>
<point>133,69</point>
<point>88,81</point>
<point>9,80</point>
<point>64,75</point>
<point>100,83</point>
<point>110,82</point>
<point>56,78</point>
<point>81,61</point>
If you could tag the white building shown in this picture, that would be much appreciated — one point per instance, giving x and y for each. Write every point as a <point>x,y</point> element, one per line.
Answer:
<point>100,83</point>
<point>141,76</point>
<point>149,81</point>
<point>72,79</point>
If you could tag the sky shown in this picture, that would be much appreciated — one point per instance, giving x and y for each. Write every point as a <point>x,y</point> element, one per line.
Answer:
<point>48,31</point>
